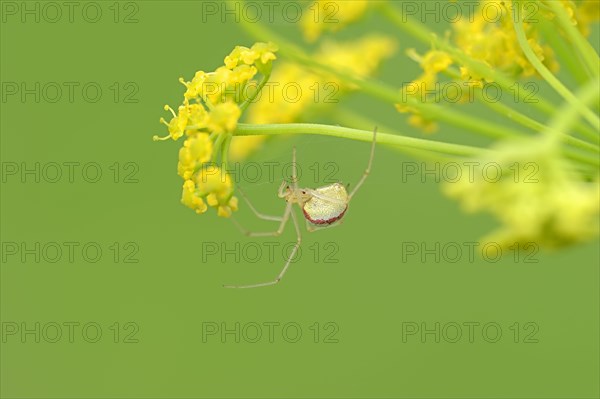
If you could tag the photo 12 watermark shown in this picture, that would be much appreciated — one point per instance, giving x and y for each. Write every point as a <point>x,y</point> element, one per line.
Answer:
<point>29,172</point>
<point>71,12</point>
<point>270,332</point>
<point>69,92</point>
<point>426,11</point>
<point>268,252</point>
<point>469,171</point>
<point>69,332</point>
<point>270,12</point>
<point>68,252</point>
<point>468,92</point>
<point>316,173</point>
<point>467,252</point>
<point>469,332</point>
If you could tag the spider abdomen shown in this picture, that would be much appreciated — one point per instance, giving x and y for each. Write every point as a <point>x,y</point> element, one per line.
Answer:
<point>327,206</point>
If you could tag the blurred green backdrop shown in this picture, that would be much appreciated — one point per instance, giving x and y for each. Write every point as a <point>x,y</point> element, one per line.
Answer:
<point>356,316</point>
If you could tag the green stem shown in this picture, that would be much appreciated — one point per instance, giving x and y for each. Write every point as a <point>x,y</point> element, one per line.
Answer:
<point>524,120</point>
<point>244,129</point>
<point>217,146</point>
<point>568,113</point>
<point>225,152</point>
<point>517,116</point>
<point>358,121</point>
<point>565,53</point>
<point>588,114</point>
<point>249,100</point>
<point>567,116</point>
<point>589,55</point>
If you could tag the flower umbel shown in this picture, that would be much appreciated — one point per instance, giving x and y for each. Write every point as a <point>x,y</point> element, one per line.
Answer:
<point>212,105</point>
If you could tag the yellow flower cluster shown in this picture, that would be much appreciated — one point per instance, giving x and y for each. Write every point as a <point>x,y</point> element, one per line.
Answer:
<point>529,189</point>
<point>328,15</point>
<point>212,105</point>
<point>211,100</point>
<point>494,41</point>
<point>215,184</point>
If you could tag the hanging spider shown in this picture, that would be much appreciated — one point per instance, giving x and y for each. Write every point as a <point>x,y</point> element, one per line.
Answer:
<point>322,208</point>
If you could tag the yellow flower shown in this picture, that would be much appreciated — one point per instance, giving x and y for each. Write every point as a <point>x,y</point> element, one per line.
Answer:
<point>197,117</point>
<point>188,115</point>
<point>419,121</point>
<point>196,150</point>
<point>195,87</point>
<point>260,55</point>
<point>494,41</point>
<point>226,210</point>
<point>177,124</point>
<point>262,52</point>
<point>328,15</point>
<point>216,185</point>
<point>432,62</point>
<point>241,74</point>
<point>233,59</point>
<point>212,179</point>
<point>359,57</point>
<point>587,13</point>
<point>217,85</point>
<point>190,198</point>
<point>223,117</point>
<point>435,61</point>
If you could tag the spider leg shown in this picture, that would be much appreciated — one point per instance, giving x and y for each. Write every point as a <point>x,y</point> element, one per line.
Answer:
<point>287,263</point>
<point>368,170</point>
<point>258,214</point>
<point>283,221</point>
<point>294,182</point>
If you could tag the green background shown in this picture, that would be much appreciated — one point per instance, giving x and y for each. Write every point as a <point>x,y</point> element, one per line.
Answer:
<point>368,296</point>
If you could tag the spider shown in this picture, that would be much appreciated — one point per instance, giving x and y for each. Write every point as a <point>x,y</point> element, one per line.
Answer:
<point>322,208</point>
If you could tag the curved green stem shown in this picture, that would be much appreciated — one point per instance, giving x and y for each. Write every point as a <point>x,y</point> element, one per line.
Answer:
<point>244,129</point>
<point>260,86</point>
<point>524,120</point>
<point>565,53</point>
<point>217,146</point>
<point>588,114</point>
<point>225,151</point>
<point>358,121</point>
<point>589,55</point>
